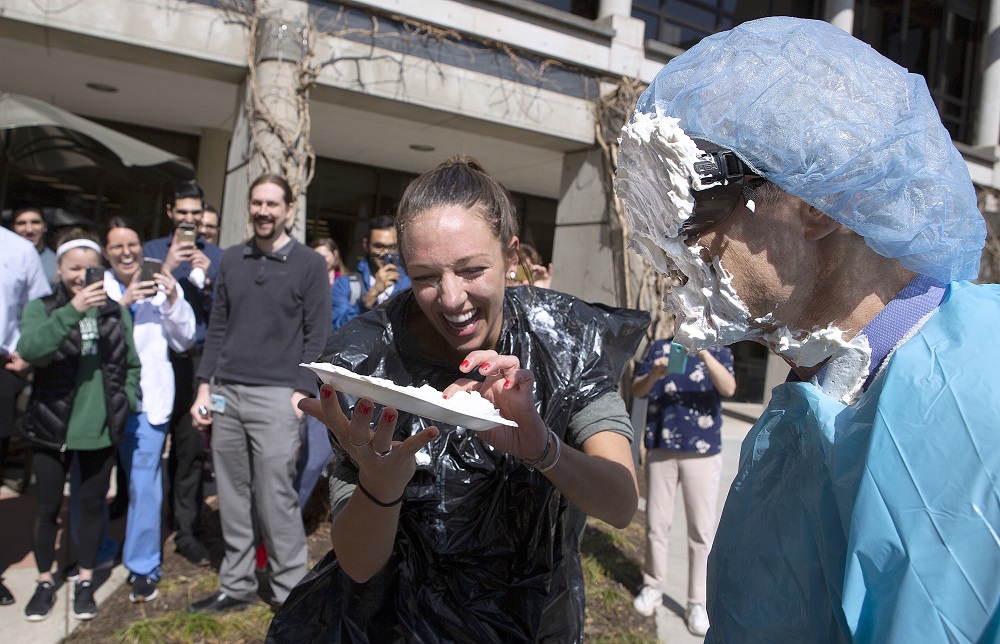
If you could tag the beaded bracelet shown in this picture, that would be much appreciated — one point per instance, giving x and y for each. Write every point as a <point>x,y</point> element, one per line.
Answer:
<point>376,501</point>
<point>545,454</point>
<point>555,460</point>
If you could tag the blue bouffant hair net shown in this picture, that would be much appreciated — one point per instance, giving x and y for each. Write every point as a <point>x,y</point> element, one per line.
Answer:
<point>833,122</point>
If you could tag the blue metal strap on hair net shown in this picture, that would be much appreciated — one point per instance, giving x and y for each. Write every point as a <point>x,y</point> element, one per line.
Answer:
<point>833,122</point>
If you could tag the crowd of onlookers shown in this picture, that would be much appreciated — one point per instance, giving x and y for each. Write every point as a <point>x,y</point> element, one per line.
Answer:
<point>135,354</point>
<point>128,343</point>
<point>119,344</point>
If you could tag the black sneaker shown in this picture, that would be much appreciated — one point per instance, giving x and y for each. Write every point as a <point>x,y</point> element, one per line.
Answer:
<point>6,597</point>
<point>40,605</point>
<point>84,606</point>
<point>143,589</point>
<point>195,552</point>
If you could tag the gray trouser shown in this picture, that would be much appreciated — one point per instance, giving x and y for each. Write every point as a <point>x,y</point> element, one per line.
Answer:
<point>255,444</point>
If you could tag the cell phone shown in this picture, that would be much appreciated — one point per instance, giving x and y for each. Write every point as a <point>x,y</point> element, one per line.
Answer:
<point>93,274</point>
<point>150,267</point>
<point>391,258</point>
<point>678,359</point>
<point>187,233</point>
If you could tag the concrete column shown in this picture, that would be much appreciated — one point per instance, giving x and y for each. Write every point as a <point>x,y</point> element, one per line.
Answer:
<point>583,263</point>
<point>279,49</point>
<point>614,8</point>
<point>987,127</point>
<point>840,13</point>
<point>213,149</point>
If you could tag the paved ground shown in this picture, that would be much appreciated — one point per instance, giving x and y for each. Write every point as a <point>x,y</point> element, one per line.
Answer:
<point>670,625</point>
<point>19,573</point>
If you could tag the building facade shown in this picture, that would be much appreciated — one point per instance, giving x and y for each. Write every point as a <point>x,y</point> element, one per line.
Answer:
<point>401,85</point>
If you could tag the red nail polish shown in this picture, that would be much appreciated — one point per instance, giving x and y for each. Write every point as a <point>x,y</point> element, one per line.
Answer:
<point>389,417</point>
<point>365,409</point>
<point>325,393</point>
<point>485,366</point>
<point>506,384</point>
<point>465,363</point>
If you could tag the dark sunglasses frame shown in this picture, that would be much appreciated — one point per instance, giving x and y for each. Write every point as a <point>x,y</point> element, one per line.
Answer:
<point>736,186</point>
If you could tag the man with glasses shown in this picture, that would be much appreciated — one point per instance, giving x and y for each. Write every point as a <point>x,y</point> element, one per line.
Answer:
<point>194,263</point>
<point>378,276</point>
<point>209,228</point>
<point>804,194</point>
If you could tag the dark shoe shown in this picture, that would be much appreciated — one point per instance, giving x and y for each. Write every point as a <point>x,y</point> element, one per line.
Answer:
<point>40,605</point>
<point>6,597</point>
<point>220,601</point>
<point>195,552</point>
<point>84,606</point>
<point>143,588</point>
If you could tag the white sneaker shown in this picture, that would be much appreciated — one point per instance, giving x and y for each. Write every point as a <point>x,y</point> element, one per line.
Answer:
<point>647,600</point>
<point>696,618</point>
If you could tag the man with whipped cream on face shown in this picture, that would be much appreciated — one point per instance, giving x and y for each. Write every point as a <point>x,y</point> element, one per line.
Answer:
<point>800,191</point>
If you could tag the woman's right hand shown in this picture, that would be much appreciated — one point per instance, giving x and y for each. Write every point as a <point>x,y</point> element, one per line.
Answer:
<point>385,466</point>
<point>89,297</point>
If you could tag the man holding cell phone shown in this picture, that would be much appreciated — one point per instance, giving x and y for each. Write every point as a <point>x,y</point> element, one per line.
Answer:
<point>378,276</point>
<point>194,263</point>
<point>683,442</point>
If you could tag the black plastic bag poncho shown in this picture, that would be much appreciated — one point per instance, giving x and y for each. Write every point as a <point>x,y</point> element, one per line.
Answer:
<point>486,550</point>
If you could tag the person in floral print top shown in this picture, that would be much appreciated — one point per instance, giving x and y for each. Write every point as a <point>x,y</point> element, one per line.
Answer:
<point>683,443</point>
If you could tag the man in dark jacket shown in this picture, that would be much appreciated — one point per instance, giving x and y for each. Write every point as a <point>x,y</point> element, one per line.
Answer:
<point>194,263</point>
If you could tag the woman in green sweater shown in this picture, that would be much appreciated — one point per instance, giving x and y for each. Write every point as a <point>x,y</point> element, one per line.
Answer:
<point>86,383</point>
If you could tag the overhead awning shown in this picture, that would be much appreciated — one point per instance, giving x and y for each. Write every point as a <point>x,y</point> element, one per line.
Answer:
<point>47,151</point>
<point>17,111</point>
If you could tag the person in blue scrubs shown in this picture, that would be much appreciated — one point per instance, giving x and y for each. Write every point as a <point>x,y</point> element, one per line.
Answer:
<point>835,223</point>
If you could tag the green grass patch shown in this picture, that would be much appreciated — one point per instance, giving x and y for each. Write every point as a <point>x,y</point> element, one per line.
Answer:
<point>181,626</point>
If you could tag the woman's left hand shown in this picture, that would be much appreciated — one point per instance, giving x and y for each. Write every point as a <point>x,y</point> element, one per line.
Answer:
<point>510,389</point>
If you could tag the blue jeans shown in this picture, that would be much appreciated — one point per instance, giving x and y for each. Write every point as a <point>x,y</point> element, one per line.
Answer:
<point>141,450</point>
<point>315,454</point>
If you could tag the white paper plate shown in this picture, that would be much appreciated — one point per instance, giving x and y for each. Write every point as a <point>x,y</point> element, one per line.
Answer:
<point>426,401</point>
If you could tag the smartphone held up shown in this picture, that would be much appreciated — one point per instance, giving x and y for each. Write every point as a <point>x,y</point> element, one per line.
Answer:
<point>150,267</point>
<point>187,233</point>
<point>93,274</point>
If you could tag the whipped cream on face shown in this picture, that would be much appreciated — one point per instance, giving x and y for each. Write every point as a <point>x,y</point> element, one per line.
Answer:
<point>655,180</point>
<point>847,360</point>
<point>655,183</point>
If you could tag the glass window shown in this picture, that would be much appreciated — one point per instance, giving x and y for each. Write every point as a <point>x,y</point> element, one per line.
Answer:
<point>583,8</point>
<point>684,23</point>
<point>343,197</point>
<point>938,39</point>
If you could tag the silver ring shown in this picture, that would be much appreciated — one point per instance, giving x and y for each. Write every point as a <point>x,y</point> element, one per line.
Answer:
<point>382,454</point>
<point>362,444</point>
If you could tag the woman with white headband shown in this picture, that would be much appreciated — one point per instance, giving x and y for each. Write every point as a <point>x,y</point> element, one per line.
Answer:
<point>86,384</point>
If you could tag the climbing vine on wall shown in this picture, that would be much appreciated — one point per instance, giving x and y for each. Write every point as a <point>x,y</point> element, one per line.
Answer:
<point>641,286</point>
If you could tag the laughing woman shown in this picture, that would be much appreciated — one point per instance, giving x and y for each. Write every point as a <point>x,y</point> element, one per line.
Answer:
<point>441,533</point>
<point>162,319</point>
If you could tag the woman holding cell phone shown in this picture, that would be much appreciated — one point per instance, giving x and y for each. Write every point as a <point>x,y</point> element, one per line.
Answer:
<point>163,320</point>
<point>85,385</point>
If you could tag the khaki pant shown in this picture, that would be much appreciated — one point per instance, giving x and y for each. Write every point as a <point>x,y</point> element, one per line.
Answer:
<point>698,476</point>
